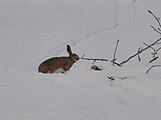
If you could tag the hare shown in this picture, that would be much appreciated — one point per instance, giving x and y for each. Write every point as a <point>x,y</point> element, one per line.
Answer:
<point>59,64</point>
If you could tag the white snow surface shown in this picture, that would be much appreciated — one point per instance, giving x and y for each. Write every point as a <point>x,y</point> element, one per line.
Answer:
<point>34,30</point>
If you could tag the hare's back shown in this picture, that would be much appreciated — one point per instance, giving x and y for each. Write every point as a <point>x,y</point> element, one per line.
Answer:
<point>55,61</point>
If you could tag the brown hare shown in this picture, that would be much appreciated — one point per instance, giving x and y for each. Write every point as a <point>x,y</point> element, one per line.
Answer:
<point>58,64</point>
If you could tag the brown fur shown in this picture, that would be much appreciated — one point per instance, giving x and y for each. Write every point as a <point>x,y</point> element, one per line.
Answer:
<point>58,64</point>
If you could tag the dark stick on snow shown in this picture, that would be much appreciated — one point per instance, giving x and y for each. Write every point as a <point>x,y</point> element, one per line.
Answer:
<point>152,67</point>
<point>114,56</point>
<point>140,52</point>
<point>153,59</point>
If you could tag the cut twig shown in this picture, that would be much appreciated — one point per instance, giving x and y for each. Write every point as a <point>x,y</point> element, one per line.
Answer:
<point>142,50</point>
<point>152,67</point>
<point>114,56</point>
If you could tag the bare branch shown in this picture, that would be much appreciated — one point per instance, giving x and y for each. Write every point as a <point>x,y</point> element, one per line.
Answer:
<point>148,45</point>
<point>158,49</point>
<point>83,56</point>
<point>156,30</point>
<point>159,43</point>
<point>159,29</point>
<point>139,58</point>
<point>157,19</point>
<point>140,52</point>
<point>94,59</point>
<point>116,63</point>
<point>153,53</point>
<point>114,56</point>
<point>152,67</point>
<point>155,50</point>
<point>153,59</point>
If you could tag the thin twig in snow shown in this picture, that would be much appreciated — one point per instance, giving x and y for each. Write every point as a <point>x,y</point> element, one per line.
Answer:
<point>153,59</point>
<point>152,67</point>
<point>94,59</point>
<point>114,56</point>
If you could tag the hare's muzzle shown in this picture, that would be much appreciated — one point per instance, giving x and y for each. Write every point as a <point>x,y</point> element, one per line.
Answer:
<point>75,57</point>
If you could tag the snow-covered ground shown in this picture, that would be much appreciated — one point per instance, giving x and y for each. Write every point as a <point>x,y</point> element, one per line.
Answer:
<point>34,30</point>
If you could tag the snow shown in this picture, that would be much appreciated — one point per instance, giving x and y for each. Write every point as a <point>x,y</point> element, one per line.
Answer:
<point>34,30</point>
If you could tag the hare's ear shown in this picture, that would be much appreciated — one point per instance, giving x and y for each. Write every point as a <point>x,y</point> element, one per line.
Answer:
<point>69,49</point>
